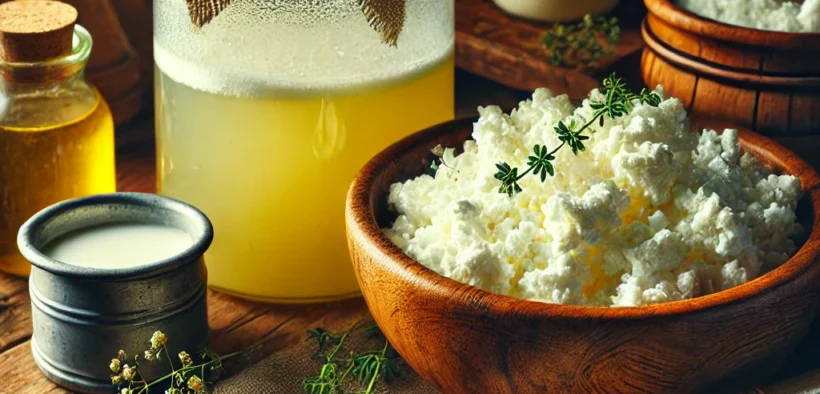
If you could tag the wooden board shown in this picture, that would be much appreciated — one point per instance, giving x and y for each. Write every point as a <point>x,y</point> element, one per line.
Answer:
<point>510,51</point>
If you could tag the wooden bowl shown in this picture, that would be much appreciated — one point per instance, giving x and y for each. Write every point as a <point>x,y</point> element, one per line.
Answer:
<point>463,339</point>
<point>766,81</point>
<point>555,10</point>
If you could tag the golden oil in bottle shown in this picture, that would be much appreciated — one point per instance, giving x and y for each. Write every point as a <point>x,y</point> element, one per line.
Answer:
<point>56,131</point>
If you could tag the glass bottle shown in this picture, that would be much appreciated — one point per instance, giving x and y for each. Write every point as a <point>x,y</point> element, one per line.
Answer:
<point>56,131</point>
<point>267,109</point>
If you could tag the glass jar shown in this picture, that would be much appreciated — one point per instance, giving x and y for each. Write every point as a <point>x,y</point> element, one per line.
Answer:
<point>266,112</point>
<point>56,141</point>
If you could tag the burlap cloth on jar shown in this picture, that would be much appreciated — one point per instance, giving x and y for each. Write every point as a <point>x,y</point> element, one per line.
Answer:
<point>282,372</point>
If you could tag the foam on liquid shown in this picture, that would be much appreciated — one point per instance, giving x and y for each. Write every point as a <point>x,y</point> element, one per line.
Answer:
<point>118,245</point>
<point>287,48</point>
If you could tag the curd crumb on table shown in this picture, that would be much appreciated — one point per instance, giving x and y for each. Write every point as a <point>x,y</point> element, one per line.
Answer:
<point>651,212</point>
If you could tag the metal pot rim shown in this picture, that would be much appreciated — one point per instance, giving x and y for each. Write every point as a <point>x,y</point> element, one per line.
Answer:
<point>201,240</point>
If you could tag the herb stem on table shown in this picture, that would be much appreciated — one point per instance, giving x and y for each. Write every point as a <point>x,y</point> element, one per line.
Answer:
<point>369,367</point>
<point>378,367</point>
<point>618,101</point>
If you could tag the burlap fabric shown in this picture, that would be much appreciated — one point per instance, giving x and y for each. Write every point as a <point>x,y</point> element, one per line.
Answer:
<point>385,16</point>
<point>282,372</point>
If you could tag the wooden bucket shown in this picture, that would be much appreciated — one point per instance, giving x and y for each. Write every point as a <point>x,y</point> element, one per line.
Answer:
<point>763,80</point>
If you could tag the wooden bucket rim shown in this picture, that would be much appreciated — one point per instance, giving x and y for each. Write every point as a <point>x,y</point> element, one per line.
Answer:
<point>734,75</point>
<point>688,21</point>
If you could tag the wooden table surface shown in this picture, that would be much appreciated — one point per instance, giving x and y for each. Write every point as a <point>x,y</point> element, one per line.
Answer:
<point>236,323</point>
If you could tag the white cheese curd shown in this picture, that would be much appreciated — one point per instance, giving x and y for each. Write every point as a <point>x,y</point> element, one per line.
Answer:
<point>776,15</point>
<point>649,213</point>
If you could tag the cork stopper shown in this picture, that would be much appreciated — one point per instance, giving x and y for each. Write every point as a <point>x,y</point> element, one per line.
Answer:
<point>36,30</point>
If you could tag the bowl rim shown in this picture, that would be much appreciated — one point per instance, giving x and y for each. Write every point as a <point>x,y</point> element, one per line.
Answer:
<point>674,15</point>
<point>361,224</point>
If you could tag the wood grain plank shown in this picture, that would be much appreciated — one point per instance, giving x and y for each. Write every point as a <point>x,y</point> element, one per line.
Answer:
<point>19,374</point>
<point>136,172</point>
<point>773,113</point>
<point>510,51</point>
<point>277,330</point>
<point>805,113</point>
<point>720,101</point>
<point>10,286</point>
<point>737,57</point>
<point>57,390</point>
<point>15,315</point>
<point>518,69</point>
<point>226,311</point>
<point>683,41</point>
<point>15,322</point>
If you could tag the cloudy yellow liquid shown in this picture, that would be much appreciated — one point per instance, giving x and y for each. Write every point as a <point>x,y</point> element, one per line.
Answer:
<point>272,173</point>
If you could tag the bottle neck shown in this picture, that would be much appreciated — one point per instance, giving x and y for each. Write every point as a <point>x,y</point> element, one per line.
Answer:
<point>49,72</point>
<point>15,82</point>
<point>42,94</point>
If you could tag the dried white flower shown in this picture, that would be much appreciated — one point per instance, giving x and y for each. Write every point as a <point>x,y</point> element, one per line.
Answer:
<point>128,373</point>
<point>185,358</point>
<point>158,340</point>
<point>194,383</point>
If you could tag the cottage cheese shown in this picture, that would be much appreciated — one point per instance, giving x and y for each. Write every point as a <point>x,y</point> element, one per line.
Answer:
<point>777,15</point>
<point>649,213</point>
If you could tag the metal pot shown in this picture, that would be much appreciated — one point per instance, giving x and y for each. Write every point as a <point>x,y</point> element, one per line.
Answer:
<point>83,316</point>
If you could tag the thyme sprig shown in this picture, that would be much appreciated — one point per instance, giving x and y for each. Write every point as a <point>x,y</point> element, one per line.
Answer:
<point>619,100</point>
<point>340,363</point>
<point>580,45</point>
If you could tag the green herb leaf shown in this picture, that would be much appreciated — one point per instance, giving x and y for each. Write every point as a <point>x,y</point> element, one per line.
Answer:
<point>509,179</point>
<point>618,102</point>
